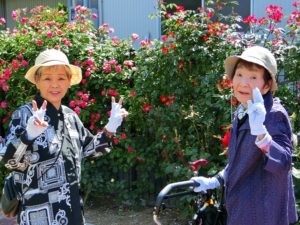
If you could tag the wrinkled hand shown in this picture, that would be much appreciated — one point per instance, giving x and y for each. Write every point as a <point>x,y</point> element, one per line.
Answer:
<point>257,113</point>
<point>36,124</point>
<point>205,183</point>
<point>117,114</point>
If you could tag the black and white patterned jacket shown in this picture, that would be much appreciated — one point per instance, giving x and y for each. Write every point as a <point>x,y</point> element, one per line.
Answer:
<point>47,169</point>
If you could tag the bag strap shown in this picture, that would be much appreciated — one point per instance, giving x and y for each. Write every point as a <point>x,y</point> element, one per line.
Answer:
<point>9,188</point>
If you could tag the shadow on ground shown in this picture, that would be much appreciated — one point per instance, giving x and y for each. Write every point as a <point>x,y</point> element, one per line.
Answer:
<point>104,211</point>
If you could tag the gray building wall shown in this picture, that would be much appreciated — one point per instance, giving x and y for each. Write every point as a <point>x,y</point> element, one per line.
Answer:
<point>131,16</point>
<point>124,16</point>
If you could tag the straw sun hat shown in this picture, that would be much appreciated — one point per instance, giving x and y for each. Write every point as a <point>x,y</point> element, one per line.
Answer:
<point>255,54</point>
<point>51,57</point>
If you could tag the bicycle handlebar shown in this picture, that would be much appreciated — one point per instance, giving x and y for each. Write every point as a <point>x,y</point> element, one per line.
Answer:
<point>204,201</point>
<point>163,194</point>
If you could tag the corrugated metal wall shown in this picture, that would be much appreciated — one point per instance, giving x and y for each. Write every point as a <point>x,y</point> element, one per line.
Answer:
<point>17,4</point>
<point>131,16</point>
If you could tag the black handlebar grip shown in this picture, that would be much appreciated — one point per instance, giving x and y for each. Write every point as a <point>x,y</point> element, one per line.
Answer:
<point>196,184</point>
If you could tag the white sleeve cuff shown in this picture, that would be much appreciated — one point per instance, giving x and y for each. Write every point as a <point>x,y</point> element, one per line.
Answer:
<point>264,144</point>
<point>221,173</point>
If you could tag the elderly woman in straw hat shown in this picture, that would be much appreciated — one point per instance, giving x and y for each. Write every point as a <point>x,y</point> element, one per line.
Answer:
<point>258,180</point>
<point>46,142</point>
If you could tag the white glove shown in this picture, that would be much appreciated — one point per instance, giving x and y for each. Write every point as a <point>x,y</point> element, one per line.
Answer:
<point>36,124</point>
<point>205,183</point>
<point>116,115</point>
<point>257,113</point>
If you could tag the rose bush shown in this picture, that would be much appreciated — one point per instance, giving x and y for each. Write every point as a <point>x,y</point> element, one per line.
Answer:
<point>184,99</point>
<point>180,92</point>
<point>106,64</point>
<point>179,100</point>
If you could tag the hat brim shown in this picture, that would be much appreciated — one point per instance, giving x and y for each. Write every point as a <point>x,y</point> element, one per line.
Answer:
<point>75,71</point>
<point>230,63</point>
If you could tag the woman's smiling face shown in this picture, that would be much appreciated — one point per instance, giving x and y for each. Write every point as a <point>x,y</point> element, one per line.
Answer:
<point>53,83</point>
<point>247,78</point>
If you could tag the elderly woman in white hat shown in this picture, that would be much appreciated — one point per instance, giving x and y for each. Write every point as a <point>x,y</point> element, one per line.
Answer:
<point>46,141</point>
<point>258,181</point>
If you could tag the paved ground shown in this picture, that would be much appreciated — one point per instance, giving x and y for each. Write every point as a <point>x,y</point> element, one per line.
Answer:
<point>6,221</point>
<point>111,216</point>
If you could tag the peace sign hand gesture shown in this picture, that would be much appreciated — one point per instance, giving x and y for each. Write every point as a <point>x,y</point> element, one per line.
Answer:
<point>36,124</point>
<point>257,113</point>
<point>117,114</point>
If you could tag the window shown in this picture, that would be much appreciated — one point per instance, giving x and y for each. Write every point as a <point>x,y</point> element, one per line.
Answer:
<point>187,4</point>
<point>92,4</point>
<point>243,8</point>
<point>77,2</point>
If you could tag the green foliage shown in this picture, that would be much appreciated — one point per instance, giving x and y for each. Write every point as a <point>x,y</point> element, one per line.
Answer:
<point>179,100</point>
<point>106,65</point>
<point>176,85</point>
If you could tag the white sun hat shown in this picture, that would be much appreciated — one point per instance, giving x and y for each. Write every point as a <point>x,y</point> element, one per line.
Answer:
<point>51,57</point>
<point>255,54</point>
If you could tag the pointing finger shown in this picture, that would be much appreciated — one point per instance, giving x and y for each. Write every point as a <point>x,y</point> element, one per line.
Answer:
<point>257,97</point>
<point>44,106</point>
<point>34,106</point>
<point>120,101</point>
<point>113,100</point>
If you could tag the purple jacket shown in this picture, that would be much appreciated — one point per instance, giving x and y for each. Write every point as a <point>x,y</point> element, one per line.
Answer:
<point>259,188</point>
